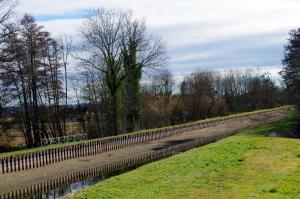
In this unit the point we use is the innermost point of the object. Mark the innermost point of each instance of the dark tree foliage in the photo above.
(140, 51)
(291, 71)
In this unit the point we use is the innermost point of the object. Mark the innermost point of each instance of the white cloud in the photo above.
(69, 27)
(193, 55)
(169, 12)
(190, 22)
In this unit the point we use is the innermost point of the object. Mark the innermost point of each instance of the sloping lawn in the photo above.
(248, 165)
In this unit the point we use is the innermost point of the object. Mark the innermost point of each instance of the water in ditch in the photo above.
(76, 186)
(72, 187)
(69, 189)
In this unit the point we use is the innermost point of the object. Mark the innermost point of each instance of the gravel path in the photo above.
(17, 180)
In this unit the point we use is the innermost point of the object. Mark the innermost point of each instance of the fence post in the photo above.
(29, 160)
(18, 161)
(2, 164)
(76, 151)
(58, 154)
(86, 149)
(10, 162)
(79, 150)
(47, 154)
(106, 145)
(52, 155)
(34, 159)
(63, 153)
(37, 159)
(93, 147)
(43, 158)
(100, 146)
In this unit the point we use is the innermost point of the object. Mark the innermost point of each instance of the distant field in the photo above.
(248, 165)
(14, 136)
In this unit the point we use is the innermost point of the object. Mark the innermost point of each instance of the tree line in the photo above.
(122, 84)
(164, 101)
(31, 76)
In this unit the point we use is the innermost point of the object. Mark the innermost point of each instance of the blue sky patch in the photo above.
(79, 14)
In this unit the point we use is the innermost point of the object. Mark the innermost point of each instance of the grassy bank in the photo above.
(23, 151)
(250, 164)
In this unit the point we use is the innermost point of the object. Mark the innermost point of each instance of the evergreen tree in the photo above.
(291, 71)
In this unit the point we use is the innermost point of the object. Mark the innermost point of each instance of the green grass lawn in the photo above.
(248, 165)
(23, 151)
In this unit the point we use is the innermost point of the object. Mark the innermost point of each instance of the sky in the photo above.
(200, 34)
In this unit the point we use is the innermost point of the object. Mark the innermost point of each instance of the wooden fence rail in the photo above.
(125, 163)
(49, 156)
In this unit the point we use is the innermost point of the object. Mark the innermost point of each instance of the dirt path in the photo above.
(17, 180)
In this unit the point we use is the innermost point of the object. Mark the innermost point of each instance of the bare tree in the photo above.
(119, 47)
(78, 98)
(198, 91)
(95, 92)
(65, 48)
(157, 97)
(33, 80)
(6, 28)
(102, 36)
